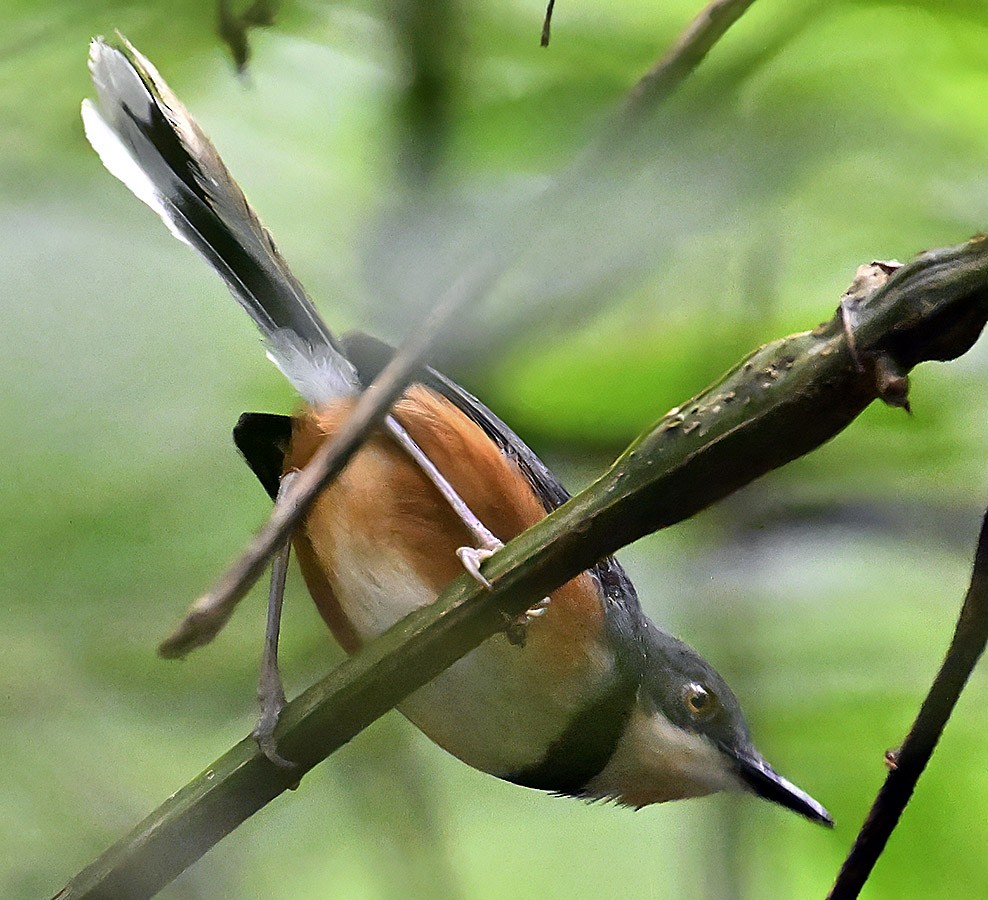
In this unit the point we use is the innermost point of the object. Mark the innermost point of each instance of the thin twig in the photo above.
(547, 24)
(210, 612)
(708, 27)
(908, 763)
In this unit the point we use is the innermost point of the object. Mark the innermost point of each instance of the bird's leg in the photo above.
(488, 542)
(270, 691)
(471, 557)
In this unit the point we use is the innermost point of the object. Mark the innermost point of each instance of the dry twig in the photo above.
(691, 48)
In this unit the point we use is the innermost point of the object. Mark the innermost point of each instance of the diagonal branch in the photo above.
(782, 401)
(908, 763)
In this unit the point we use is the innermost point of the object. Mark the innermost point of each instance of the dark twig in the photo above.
(547, 24)
(907, 764)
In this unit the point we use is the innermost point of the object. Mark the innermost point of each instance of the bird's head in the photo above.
(687, 737)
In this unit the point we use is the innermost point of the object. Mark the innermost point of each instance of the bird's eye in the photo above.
(699, 701)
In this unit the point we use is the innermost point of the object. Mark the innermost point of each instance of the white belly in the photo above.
(495, 708)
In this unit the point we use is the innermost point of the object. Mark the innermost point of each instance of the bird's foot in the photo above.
(271, 697)
(516, 629)
(472, 557)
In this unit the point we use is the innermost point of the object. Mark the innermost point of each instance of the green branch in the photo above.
(782, 401)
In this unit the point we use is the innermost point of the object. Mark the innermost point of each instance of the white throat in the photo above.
(656, 761)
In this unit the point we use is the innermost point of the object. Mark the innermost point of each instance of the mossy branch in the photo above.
(785, 399)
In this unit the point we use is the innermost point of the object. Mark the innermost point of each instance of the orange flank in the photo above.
(383, 506)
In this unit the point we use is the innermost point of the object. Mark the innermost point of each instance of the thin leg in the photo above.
(471, 557)
(477, 528)
(270, 691)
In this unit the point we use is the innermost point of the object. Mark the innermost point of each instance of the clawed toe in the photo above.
(516, 629)
(272, 699)
(472, 557)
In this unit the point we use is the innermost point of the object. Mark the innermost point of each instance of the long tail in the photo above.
(147, 139)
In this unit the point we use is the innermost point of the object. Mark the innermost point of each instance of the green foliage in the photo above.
(817, 137)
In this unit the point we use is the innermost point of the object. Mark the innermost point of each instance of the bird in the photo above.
(584, 696)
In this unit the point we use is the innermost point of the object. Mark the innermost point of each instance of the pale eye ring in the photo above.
(700, 701)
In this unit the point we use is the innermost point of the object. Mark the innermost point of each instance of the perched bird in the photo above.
(586, 697)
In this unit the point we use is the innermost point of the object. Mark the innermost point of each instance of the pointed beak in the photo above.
(764, 781)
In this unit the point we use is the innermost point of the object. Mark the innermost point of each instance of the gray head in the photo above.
(687, 737)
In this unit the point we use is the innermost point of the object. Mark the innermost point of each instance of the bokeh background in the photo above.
(386, 144)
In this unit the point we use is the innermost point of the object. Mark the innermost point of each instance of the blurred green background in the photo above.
(382, 150)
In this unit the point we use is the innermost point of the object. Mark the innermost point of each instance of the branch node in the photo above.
(891, 382)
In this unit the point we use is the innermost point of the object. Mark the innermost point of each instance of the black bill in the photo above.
(764, 781)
